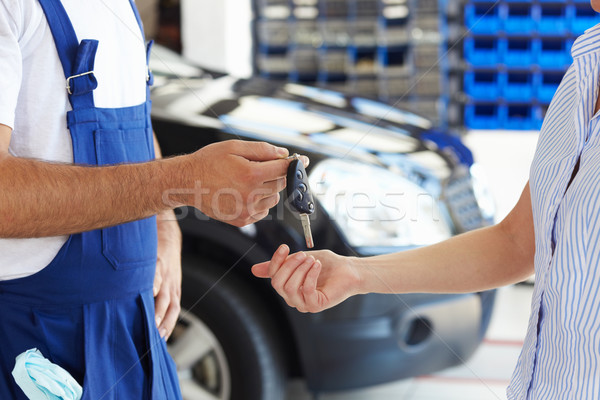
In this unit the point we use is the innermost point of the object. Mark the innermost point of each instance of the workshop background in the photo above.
(484, 70)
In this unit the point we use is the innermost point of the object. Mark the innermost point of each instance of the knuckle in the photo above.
(265, 147)
(289, 288)
(252, 174)
(276, 284)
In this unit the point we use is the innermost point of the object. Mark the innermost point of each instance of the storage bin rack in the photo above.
(515, 53)
(385, 49)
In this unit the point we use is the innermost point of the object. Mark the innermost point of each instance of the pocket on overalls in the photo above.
(133, 244)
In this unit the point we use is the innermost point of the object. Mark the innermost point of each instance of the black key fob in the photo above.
(298, 191)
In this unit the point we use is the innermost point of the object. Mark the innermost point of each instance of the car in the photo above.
(384, 180)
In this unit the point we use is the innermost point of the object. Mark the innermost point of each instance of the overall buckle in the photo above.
(76, 76)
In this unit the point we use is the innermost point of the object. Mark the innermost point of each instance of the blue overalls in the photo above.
(91, 310)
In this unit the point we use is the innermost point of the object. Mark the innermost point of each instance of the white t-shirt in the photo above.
(33, 96)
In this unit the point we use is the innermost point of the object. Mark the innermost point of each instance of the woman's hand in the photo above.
(311, 281)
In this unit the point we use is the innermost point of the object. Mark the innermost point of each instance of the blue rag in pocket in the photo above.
(42, 380)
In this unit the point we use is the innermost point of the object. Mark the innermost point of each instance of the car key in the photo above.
(299, 196)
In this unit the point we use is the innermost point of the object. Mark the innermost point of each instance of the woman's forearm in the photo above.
(470, 262)
(482, 259)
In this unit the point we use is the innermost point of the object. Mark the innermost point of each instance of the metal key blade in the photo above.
(305, 218)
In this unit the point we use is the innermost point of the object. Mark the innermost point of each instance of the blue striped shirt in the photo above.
(560, 358)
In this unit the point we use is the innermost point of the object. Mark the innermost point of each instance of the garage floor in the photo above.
(505, 158)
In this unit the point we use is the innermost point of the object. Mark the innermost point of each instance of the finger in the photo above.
(258, 151)
(309, 289)
(267, 171)
(292, 287)
(305, 161)
(157, 282)
(161, 304)
(264, 205)
(257, 217)
(284, 273)
(261, 270)
(275, 186)
(278, 258)
(170, 320)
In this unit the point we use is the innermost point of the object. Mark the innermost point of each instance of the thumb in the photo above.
(259, 151)
(261, 270)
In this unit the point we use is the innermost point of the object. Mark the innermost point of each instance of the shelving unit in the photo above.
(384, 49)
(473, 63)
(515, 54)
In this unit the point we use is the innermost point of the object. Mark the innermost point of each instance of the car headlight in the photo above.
(482, 193)
(375, 207)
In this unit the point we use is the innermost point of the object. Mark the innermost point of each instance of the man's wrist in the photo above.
(180, 180)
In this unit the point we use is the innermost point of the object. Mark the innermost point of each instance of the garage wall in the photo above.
(218, 35)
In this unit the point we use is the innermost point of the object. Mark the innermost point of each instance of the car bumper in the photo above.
(418, 335)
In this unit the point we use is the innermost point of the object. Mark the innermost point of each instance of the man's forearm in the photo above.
(45, 199)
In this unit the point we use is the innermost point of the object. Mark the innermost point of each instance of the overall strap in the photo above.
(77, 58)
(149, 76)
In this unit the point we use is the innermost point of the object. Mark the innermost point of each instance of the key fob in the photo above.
(298, 191)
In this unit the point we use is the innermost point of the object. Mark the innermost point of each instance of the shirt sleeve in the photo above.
(10, 61)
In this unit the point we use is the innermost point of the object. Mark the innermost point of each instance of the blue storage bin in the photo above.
(519, 117)
(483, 17)
(517, 52)
(482, 85)
(554, 53)
(393, 59)
(517, 86)
(582, 17)
(546, 84)
(552, 19)
(483, 116)
(482, 51)
(518, 18)
(361, 60)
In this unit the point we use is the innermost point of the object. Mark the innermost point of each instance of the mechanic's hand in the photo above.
(310, 281)
(238, 181)
(167, 279)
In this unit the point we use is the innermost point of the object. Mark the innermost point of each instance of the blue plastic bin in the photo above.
(552, 19)
(518, 18)
(483, 116)
(517, 86)
(517, 52)
(582, 17)
(519, 117)
(554, 53)
(546, 84)
(483, 51)
(482, 85)
(361, 60)
(393, 59)
(483, 17)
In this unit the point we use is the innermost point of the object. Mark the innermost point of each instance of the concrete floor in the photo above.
(505, 157)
